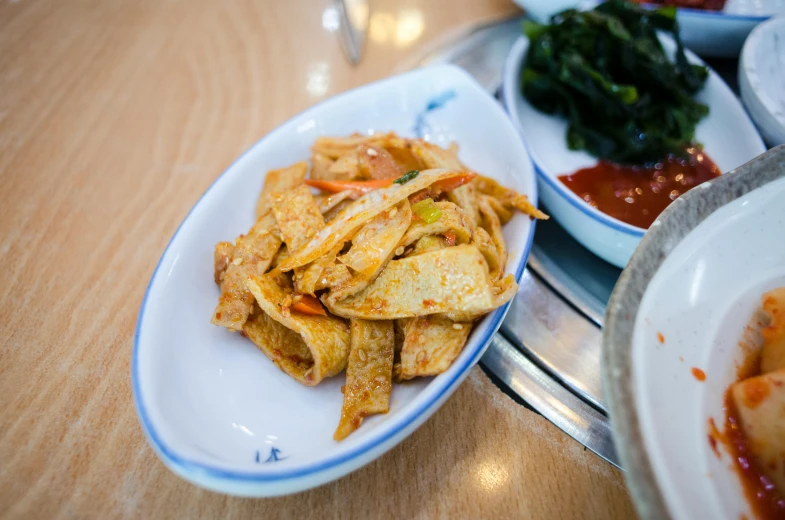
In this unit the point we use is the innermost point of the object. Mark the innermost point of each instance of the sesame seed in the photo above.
(399, 251)
(457, 326)
(393, 212)
(237, 261)
(361, 355)
(372, 152)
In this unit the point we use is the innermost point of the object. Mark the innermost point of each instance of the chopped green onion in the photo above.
(427, 210)
(406, 177)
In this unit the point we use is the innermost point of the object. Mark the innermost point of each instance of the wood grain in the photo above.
(114, 117)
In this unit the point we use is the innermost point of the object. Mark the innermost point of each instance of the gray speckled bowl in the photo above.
(683, 302)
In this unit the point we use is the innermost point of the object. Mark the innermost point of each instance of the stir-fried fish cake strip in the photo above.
(347, 167)
(504, 213)
(372, 247)
(315, 274)
(328, 202)
(454, 279)
(320, 167)
(282, 345)
(377, 163)
(503, 291)
(362, 210)
(335, 147)
(252, 255)
(436, 157)
(452, 220)
(508, 197)
(221, 257)
(431, 344)
(326, 337)
(280, 180)
(297, 215)
(376, 241)
(368, 374)
(299, 219)
(483, 241)
(466, 198)
(426, 244)
(492, 224)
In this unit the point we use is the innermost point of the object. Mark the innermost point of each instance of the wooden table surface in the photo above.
(114, 117)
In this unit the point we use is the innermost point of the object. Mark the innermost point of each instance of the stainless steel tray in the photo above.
(547, 351)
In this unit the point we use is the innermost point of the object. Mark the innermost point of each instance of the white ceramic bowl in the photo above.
(762, 79)
(684, 302)
(214, 408)
(728, 135)
(708, 33)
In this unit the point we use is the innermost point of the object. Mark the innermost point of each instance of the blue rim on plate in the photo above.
(609, 221)
(270, 476)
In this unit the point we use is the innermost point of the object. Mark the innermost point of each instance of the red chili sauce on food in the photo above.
(766, 502)
(638, 194)
(764, 499)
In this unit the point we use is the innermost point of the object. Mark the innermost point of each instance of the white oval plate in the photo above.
(696, 280)
(214, 408)
(762, 78)
(708, 33)
(728, 136)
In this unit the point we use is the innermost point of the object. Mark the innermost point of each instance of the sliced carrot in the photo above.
(454, 182)
(358, 187)
(450, 237)
(309, 306)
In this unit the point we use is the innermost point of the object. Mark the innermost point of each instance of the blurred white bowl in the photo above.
(685, 301)
(762, 79)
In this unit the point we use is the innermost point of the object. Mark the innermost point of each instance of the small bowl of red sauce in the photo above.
(637, 194)
(609, 207)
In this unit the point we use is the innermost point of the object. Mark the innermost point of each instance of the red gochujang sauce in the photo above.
(638, 194)
(766, 502)
(764, 499)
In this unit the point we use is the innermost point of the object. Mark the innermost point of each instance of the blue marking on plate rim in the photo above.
(188, 466)
(437, 101)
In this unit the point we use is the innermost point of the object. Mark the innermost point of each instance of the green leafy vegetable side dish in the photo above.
(607, 73)
(406, 177)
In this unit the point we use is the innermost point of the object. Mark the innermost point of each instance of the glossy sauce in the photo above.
(698, 374)
(765, 501)
(638, 194)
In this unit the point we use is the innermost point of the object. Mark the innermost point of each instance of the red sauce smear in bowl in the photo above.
(764, 499)
(638, 194)
(766, 502)
(698, 374)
